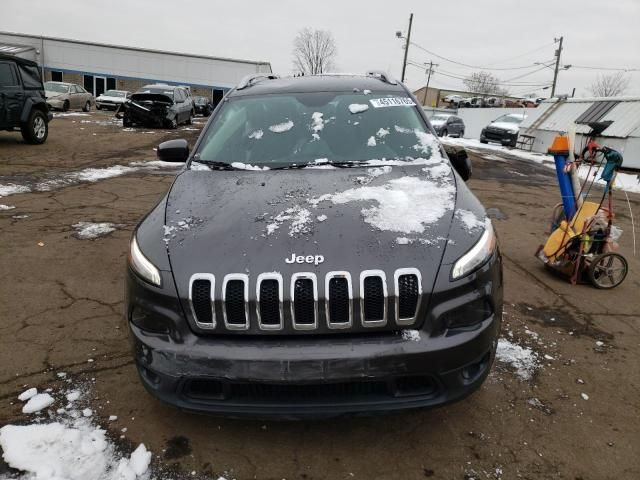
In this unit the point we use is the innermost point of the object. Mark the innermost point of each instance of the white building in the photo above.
(100, 67)
(555, 116)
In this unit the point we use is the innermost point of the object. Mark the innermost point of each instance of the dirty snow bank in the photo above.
(12, 189)
(523, 360)
(90, 230)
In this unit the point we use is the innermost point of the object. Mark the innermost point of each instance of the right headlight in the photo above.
(479, 253)
(142, 265)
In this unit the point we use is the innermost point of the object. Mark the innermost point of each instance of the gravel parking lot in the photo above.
(568, 410)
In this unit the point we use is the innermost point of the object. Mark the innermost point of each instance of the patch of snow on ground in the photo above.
(376, 172)
(70, 114)
(27, 394)
(282, 127)
(38, 402)
(523, 360)
(411, 335)
(6, 207)
(256, 134)
(405, 205)
(358, 107)
(12, 189)
(90, 230)
(321, 218)
(96, 174)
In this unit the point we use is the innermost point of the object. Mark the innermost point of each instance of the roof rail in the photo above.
(254, 78)
(384, 76)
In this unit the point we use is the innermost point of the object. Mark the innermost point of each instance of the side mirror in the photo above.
(459, 159)
(173, 150)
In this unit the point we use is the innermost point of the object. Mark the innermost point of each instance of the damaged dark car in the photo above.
(163, 106)
(319, 255)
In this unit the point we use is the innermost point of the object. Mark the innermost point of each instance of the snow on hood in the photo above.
(510, 126)
(403, 205)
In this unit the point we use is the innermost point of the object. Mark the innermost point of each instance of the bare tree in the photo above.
(612, 85)
(314, 51)
(485, 83)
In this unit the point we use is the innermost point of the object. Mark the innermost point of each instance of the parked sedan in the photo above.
(65, 96)
(447, 125)
(157, 105)
(112, 99)
(503, 129)
(202, 106)
(455, 99)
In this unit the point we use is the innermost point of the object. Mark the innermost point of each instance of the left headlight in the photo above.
(142, 265)
(479, 253)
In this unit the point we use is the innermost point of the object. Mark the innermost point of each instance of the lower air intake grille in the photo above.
(339, 300)
(270, 302)
(373, 299)
(201, 300)
(235, 302)
(407, 296)
(303, 301)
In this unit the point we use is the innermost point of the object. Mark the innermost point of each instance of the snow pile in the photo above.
(523, 360)
(256, 134)
(6, 207)
(27, 394)
(299, 217)
(358, 107)
(246, 166)
(411, 335)
(469, 220)
(282, 127)
(90, 230)
(405, 205)
(317, 122)
(38, 402)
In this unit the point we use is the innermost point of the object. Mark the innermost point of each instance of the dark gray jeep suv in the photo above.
(318, 255)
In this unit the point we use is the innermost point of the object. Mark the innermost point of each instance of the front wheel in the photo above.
(87, 107)
(608, 270)
(190, 120)
(65, 106)
(483, 141)
(36, 130)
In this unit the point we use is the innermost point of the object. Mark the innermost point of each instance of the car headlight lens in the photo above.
(141, 264)
(479, 253)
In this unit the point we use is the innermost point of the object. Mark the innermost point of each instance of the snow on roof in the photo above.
(625, 116)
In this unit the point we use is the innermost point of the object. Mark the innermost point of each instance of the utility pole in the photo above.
(555, 72)
(426, 89)
(406, 48)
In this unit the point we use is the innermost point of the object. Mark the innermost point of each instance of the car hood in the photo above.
(385, 218)
(110, 99)
(511, 127)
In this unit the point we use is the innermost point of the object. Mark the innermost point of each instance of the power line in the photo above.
(457, 77)
(525, 54)
(470, 66)
(606, 68)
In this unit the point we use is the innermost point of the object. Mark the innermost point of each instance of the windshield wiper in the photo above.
(333, 163)
(216, 165)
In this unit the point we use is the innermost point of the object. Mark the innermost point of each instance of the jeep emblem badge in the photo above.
(314, 259)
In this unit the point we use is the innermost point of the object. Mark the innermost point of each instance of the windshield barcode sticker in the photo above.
(391, 102)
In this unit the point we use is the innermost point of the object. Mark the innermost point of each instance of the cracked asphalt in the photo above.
(61, 302)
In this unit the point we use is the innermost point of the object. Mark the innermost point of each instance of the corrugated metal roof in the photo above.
(625, 116)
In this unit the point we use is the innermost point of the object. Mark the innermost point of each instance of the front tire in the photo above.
(36, 130)
(445, 133)
(87, 107)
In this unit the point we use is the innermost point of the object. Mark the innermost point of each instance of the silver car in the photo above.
(65, 96)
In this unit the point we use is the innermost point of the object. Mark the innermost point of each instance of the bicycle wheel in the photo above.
(608, 270)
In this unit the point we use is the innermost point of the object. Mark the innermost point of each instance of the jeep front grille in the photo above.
(368, 304)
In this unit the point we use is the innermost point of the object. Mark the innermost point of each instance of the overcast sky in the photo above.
(602, 33)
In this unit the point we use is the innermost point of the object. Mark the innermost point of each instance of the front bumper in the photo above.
(55, 103)
(314, 375)
(504, 137)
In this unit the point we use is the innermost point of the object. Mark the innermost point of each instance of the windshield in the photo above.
(114, 93)
(439, 118)
(302, 128)
(156, 91)
(56, 87)
(509, 119)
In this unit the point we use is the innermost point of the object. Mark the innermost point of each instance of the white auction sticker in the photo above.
(391, 102)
